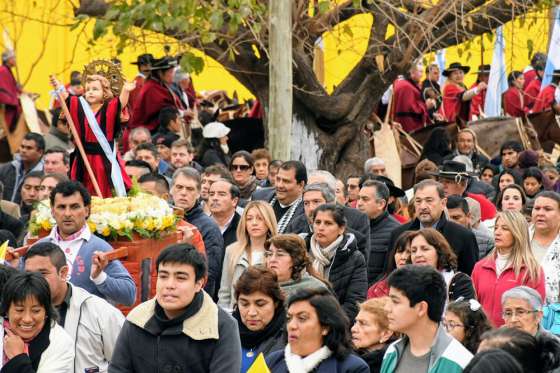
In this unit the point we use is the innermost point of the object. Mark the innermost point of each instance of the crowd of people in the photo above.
(310, 272)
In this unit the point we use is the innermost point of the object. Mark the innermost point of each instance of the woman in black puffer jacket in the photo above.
(335, 256)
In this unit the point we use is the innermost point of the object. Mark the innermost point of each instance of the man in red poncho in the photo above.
(533, 89)
(410, 109)
(144, 63)
(9, 90)
(513, 99)
(155, 95)
(477, 102)
(546, 99)
(530, 72)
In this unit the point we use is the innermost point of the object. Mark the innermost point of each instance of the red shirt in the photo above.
(477, 103)
(489, 287)
(452, 102)
(409, 108)
(514, 103)
(545, 99)
(532, 92)
(378, 289)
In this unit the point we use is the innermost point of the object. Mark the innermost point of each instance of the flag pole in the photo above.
(79, 143)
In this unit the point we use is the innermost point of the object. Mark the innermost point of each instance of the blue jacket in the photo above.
(118, 288)
(213, 242)
(351, 364)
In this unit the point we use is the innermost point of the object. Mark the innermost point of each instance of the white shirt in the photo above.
(70, 247)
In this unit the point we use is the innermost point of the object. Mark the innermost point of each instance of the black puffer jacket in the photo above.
(347, 274)
(380, 230)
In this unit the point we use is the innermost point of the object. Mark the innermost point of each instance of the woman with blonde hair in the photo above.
(509, 265)
(257, 224)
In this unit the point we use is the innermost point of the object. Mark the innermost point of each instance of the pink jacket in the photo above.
(489, 288)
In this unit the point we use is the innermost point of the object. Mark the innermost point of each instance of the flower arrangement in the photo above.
(113, 218)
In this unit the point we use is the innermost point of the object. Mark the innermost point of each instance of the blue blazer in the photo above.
(351, 364)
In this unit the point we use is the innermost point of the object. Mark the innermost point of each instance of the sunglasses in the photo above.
(240, 167)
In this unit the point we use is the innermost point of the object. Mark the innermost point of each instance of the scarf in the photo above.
(322, 256)
(248, 189)
(161, 322)
(253, 339)
(35, 347)
(297, 364)
(288, 215)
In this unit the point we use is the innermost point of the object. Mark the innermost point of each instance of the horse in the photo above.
(547, 126)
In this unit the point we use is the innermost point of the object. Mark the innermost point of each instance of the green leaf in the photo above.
(100, 28)
(324, 6)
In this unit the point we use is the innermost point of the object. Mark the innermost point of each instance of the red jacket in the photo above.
(487, 208)
(545, 99)
(529, 76)
(379, 289)
(532, 92)
(452, 103)
(409, 108)
(477, 102)
(514, 102)
(489, 287)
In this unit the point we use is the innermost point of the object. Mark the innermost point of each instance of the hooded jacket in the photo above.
(447, 355)
(207, 341)
(347, 273)
(12, 175)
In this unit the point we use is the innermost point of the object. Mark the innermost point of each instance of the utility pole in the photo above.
(280, 79)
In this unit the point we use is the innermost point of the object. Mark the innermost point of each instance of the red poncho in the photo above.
(409, 108)
(477, 103)
(529, 76)
(452, 107)
(513, 102)
(545, 99)
(9, 96)
(108, 118)
(532, 92)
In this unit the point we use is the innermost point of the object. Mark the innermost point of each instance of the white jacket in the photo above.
(59, 355)
(95, 325)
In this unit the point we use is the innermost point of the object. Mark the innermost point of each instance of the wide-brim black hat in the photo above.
(144, 59)
(555, 72)
(484, 69)
(455, 66)
(394, 191)
(452, 170)
(164, 63)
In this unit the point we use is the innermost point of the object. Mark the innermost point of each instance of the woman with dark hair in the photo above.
(335, 256)
(399, 257)
(318, 337)
(495, 361)
(260, 314)
(214, 148)
(286, 255)
(466, 322)
(437, 147)
(371, 334)
(242, 168)
(514, 98)
(505, 178)
(429, 247)
(511, 198)
(32, 339)
(533, 183)
(487, 173)
(540, 354)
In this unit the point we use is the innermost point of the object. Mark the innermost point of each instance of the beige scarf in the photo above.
(322, 256)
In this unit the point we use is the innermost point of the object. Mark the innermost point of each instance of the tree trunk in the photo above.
(341, 152)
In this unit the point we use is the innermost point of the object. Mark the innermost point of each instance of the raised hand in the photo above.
(129, 86)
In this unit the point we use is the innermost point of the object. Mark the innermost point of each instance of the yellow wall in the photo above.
(45, 46)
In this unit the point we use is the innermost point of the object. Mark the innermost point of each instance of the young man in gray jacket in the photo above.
(181, 329)
(92, 322)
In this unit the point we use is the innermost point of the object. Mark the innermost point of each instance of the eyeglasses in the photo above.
(450, 325)
(519, 313)
(240, 167)
(279, 254)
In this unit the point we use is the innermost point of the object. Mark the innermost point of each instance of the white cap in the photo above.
(215, 130)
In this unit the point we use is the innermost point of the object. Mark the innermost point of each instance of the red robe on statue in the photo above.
(545, 100)
(108, 118)
(532, 92)
(452, 106)
(9, 96)
(409, 107)
(513, 102)
(477, 103)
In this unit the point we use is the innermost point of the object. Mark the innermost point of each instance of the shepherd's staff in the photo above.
(77, 139)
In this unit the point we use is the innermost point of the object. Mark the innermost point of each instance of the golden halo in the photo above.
(108, 70)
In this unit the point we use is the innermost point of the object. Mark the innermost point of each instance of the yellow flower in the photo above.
(106, 231)
(92, 226)
(46, 225)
